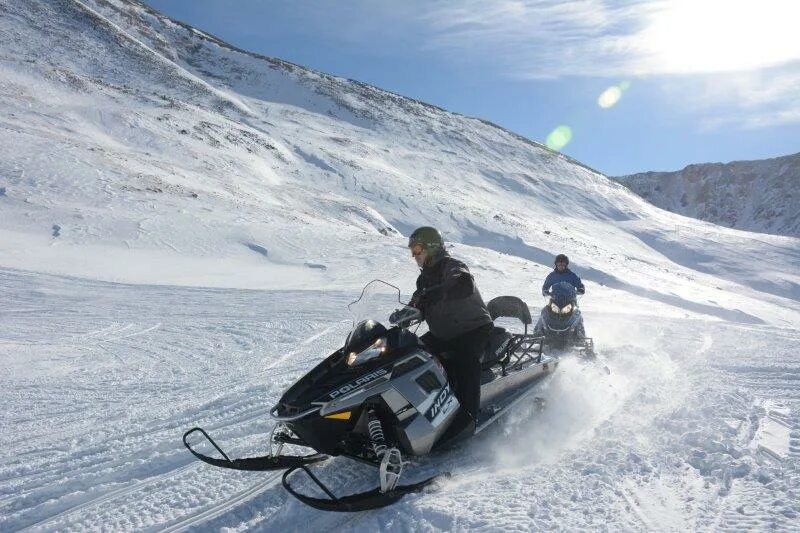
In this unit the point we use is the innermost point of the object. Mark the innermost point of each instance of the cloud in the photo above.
(739, 58)
(750, 100)
(537, 39)
(550, 38)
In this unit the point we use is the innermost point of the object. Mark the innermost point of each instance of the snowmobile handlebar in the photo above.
(405, 317)
(579, 292)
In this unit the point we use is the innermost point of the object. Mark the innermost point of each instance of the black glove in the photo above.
(545, 292)
(406, 313)
(394, 318)
(581, 290)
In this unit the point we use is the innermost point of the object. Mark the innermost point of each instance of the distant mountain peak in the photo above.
(761, 196)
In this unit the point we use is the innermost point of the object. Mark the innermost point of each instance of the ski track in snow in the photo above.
(63, 470)
(664, 439)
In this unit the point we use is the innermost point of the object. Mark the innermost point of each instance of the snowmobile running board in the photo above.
(511, 400)
(363, 501)
(254, 464)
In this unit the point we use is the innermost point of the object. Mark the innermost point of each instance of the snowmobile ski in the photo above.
(255, 464)
(363, 501)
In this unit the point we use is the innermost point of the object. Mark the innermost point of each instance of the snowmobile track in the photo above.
(109, 496)
(216, 510)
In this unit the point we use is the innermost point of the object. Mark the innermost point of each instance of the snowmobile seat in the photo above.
(511, 307)
(497, 349)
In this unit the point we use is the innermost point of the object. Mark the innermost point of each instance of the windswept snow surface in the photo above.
(182, 225)
(696, 426)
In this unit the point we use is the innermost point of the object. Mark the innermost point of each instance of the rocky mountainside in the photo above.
(761, 196)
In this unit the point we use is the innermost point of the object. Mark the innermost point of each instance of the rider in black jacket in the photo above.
(457, 317)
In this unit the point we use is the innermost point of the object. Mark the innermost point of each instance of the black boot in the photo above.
(462, 428)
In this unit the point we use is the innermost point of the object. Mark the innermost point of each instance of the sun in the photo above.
(693, 36)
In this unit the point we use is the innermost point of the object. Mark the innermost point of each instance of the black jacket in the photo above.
(448, 298)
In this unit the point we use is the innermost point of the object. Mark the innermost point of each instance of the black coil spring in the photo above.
(375, 431)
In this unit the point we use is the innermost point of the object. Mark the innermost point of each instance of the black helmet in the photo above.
(561, 257)
(428, 237)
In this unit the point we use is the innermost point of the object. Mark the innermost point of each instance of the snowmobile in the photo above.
(383, 397)
(561, 322)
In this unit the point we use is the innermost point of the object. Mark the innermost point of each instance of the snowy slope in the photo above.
(182, 224)
(761, 196)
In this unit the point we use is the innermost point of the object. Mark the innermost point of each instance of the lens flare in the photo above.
(559, 138)
(610, 97)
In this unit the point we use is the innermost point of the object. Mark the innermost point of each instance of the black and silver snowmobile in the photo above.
(383, 397)
(561, 322)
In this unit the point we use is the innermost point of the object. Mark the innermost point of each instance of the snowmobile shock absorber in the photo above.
(375, 431)
(391, 460)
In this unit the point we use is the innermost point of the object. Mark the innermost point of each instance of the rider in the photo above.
(559, 275)
(457, 317)
(562, 273)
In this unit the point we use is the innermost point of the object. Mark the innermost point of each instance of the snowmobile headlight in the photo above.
(567, 309)
(554, 308)
(377, 348)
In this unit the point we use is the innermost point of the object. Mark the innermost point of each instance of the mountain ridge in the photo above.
(753, 195)
(360, 84)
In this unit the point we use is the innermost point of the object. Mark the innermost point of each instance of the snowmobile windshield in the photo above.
(376, 302)
(367, 338)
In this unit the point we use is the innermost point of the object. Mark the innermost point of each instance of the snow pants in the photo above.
(461, 358)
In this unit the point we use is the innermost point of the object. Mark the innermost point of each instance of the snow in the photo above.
(217, 210)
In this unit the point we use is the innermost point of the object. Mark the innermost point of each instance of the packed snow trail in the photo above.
(95, 413)
(697, 425)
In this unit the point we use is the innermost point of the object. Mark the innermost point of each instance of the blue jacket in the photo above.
(568, 275)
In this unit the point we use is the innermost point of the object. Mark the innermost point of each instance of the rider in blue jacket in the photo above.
(562, 273)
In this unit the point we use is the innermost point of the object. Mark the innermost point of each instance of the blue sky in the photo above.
(621, 86)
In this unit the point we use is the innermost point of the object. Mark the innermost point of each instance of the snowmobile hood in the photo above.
(333, 376)
(565, 322)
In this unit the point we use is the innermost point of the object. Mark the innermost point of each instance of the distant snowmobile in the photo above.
(561, 322)
(383, 397)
